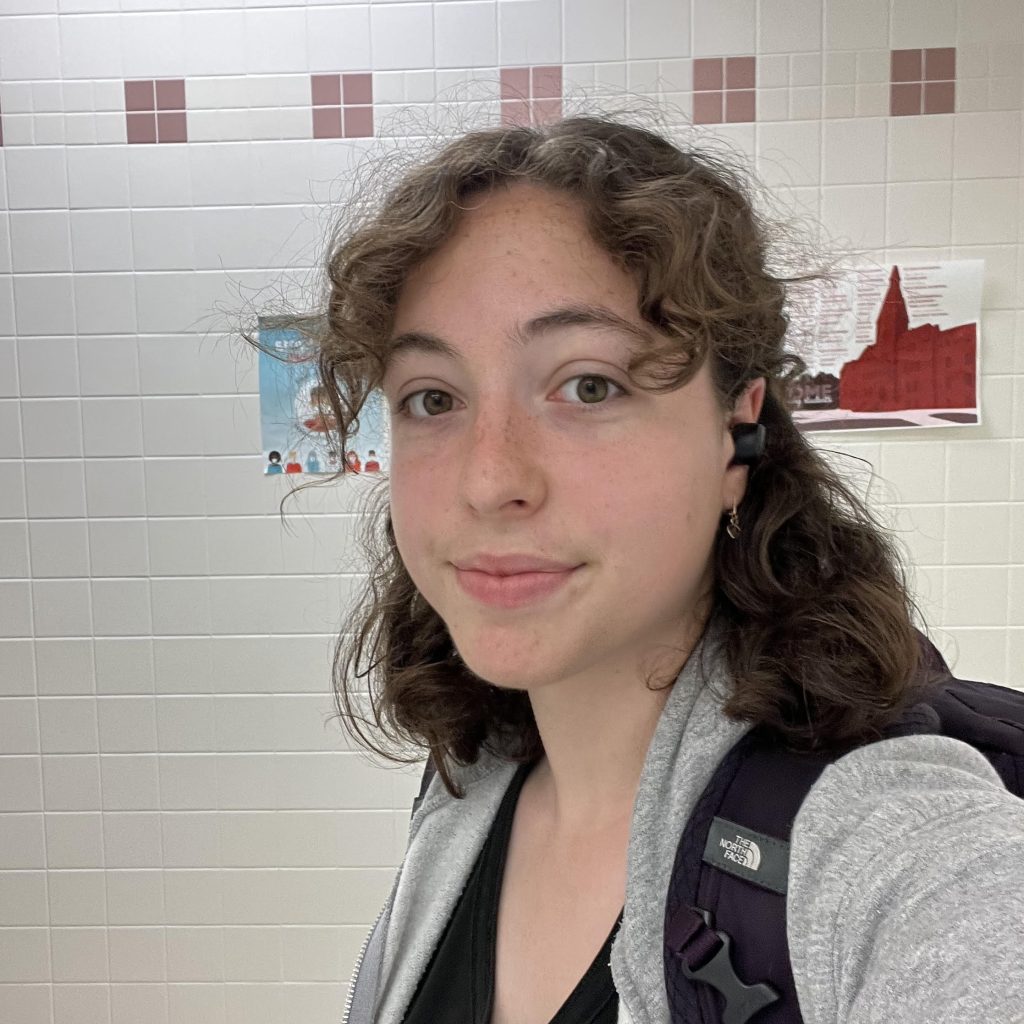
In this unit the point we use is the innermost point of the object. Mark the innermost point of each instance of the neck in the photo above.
(596, 732)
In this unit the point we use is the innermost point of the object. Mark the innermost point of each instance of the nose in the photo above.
(502, 460)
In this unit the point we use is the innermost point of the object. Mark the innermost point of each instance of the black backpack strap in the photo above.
(727, 957)
(726, 950)
(989, 718)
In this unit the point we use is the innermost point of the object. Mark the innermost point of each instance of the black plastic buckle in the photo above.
(741, 1001)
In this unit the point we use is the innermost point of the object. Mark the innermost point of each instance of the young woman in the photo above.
(579, 599)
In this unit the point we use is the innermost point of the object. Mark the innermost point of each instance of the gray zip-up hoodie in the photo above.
(906, 883)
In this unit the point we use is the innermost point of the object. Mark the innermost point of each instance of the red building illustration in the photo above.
(911, 368)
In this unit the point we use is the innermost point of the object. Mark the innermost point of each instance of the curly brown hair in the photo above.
(812, 599)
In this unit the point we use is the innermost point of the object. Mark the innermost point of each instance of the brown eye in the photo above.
(433, 403)
(592, 389)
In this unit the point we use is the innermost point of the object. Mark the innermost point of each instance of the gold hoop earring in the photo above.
(733, 526)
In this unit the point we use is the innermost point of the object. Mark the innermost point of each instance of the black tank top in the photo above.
(458, 985)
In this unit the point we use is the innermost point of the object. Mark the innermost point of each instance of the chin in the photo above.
(507, 672)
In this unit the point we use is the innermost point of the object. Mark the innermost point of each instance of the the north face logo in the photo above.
(754, 856)
(742, 851)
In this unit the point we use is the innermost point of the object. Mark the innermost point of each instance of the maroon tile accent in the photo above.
(358, 122)
(939, 97)
(531, 95)
(724, 89)
(170, 94)
(923, 81)
(515, 83)
(740, 105)
(940, 64)
(515, 112)
(357, 89)
(325, 90)
(141, 127)
(905, 98)
(138, 95)
(171, 127)
(739, 73)
(905, 66)
(327, 122)
(547, 110)
(707, 108)
(546, 82)
(707, 74)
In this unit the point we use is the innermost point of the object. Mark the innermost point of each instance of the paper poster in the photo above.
(890, 346)
(296, 420)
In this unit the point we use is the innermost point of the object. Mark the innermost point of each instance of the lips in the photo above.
(514, 590)
(512, 565)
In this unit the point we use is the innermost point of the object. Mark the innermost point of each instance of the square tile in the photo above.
(806, 69)
(515, 83)
(139, 95)
(171, 126)
(170, 94)
(873, 66)
(593, 30)
(724, 27)
(357, 88)
(905, 99)
(707, 108)
(840, 101)
(402, 36)
(707, 74)
(141, 127)
(856, 26)
(925, 22)
(515, 112)
(906, 66)
(530, 33)
(774, 104)
(546, 82)
(841, 69)
(773, 72)
(805, 104)
(325, 90)
(358, 122)
(740, 105)
(327, 122)
(872, 100)
(740, 73)
(939, 97)
(940, 64)
(547, 111)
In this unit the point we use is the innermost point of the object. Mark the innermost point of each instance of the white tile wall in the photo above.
(188, 835)
(723, 28)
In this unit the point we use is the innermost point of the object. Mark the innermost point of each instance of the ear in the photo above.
(746, 410)
(748, 406)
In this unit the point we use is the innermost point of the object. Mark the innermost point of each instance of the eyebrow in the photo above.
(576, 315)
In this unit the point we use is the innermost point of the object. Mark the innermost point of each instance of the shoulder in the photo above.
(897, 786)
(907, 884)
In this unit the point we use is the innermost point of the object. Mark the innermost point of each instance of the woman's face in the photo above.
(522, 435)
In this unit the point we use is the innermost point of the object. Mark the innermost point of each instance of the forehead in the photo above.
(515, 249)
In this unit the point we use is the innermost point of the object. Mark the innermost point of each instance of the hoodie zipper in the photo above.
(359, 963)
(414, 826)
(369, 935)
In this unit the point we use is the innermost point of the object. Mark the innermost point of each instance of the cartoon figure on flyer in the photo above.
(274, 464)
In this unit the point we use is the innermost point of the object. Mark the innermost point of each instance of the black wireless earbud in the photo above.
(750, 440)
